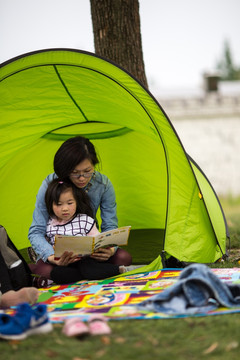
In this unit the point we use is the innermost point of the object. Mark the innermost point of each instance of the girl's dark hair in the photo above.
(71, 153)
(56, 187)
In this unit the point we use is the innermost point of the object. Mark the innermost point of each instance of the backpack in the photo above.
(15, 273)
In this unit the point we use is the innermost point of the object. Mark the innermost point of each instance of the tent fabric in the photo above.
(50, 95)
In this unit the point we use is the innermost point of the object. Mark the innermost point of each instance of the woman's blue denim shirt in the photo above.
(101, 194)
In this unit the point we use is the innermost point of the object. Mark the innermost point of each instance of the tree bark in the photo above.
(117, 34)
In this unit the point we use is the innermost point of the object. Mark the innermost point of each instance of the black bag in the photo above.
(14, 271)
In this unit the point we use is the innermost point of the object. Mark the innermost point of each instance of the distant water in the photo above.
(215, 145)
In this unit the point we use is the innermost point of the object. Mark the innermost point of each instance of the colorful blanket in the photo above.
(116, 298)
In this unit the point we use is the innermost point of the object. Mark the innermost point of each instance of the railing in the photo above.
(209, 105)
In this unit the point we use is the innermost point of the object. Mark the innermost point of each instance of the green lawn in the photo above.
(213, 337)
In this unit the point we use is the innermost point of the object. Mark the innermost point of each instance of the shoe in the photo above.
(98, 325)
(41, 282)
(75, 327)
(3, 318)
(32, 255)
(132, 267)
(26, 321)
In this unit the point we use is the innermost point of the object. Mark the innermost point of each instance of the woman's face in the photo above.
(82, 173)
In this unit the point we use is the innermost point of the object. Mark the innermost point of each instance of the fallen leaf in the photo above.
(210, 349)
(78, 358)
(190, 322)
(14, 344)
(138, 344)
(52, 354)
(120, 340)
(59, 341)
(201, 338)
(233, 345)
(58, 325)
(153, 341)
(105, 340)
(100, 353)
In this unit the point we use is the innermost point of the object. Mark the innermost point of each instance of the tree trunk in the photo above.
(117, 35)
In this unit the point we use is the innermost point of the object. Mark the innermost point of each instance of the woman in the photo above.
(75, 160)
(70, 214)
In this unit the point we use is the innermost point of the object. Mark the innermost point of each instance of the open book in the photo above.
(86, 245)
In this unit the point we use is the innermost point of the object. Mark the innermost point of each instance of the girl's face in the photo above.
(66, 207)
(82, 173)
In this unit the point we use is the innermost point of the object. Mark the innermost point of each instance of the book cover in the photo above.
(86, 245)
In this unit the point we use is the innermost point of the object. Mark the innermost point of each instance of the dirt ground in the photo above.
(234, 255)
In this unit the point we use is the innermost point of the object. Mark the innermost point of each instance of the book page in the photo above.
(115, 237)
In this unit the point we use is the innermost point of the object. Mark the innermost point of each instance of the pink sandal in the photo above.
(98, 325)
(75, 327)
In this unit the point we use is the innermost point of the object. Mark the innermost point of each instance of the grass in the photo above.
(190, 338)
(231, 208)
(213, 337)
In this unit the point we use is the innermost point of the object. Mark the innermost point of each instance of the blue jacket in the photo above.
(198, 290)
(101, 194)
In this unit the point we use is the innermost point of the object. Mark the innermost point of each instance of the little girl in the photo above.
(70, 214)
(69, 210)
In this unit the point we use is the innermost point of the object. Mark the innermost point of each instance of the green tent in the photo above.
(50, 95)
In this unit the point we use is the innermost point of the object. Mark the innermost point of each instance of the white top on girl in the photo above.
(80, 225)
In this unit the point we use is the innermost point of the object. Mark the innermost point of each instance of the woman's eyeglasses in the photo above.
(86, 175)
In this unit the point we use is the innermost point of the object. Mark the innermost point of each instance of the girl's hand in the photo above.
(66, 258)
(103, 254)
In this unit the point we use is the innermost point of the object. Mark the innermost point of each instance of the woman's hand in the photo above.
(103, 254)
(66, 258)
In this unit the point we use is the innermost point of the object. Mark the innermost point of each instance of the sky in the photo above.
(181, 39)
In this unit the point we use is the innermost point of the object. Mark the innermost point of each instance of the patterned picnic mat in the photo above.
(116, 298)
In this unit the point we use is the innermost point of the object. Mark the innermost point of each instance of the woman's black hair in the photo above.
(56, 187)
(71, 153)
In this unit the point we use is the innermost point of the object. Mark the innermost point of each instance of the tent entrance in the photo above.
(145, 245)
